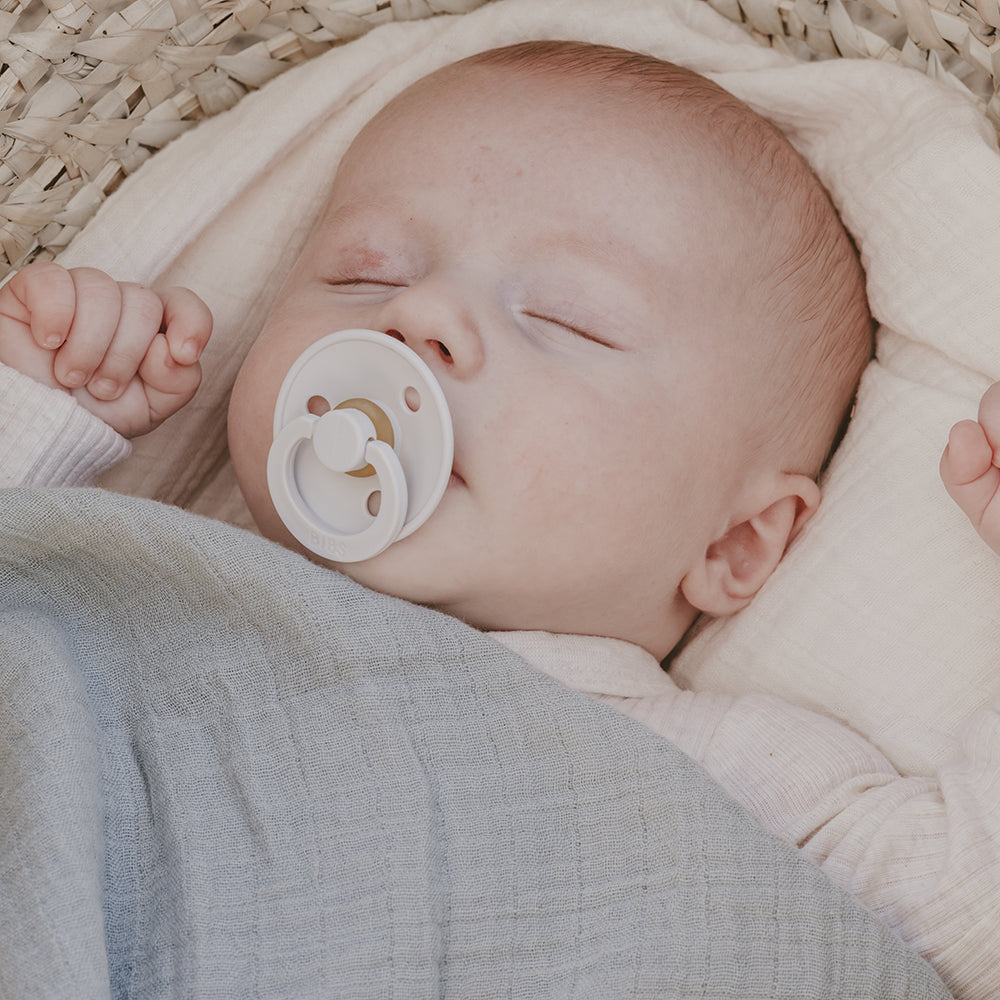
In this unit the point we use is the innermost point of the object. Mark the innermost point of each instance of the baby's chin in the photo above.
(400, 571)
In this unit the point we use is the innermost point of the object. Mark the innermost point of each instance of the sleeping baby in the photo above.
(649, 324)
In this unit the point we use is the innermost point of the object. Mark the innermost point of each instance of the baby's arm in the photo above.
(969, 467)
(127, 354)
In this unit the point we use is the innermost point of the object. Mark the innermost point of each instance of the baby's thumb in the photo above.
(168, 385)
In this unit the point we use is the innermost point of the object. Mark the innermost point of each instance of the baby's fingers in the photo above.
(968, 456)
(972, 480)
(187, 322)
(44, 299)
(989, 417)
(140, 321)
(167, 384)
(95, 321)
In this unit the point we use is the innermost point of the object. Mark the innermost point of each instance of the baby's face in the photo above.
(535, 250)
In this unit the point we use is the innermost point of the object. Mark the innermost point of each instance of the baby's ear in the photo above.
(736, 566)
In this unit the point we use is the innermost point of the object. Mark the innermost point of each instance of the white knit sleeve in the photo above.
(48, 439)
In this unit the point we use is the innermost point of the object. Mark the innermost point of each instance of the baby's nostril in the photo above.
(396, 335)
(445, 353)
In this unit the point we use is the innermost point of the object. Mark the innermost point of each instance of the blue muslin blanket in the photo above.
(226, 772)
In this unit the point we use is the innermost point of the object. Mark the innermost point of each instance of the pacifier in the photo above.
(363, 445)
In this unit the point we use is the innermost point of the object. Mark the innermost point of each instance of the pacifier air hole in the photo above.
(411, 396)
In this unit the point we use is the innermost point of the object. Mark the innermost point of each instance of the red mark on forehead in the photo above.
(363, 257)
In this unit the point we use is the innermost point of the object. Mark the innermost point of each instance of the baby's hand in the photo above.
(969, 467)
(127, 354)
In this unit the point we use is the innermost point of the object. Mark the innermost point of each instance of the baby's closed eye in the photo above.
(363, 283)
(362, 266)
(571, 326)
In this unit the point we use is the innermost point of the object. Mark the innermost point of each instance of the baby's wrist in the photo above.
(33, 363)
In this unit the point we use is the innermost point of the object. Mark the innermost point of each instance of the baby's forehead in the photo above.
(534, 105)
(494, 87)
(656, 132)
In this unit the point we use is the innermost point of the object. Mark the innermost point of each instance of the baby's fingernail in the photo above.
(189, 352)
(75, 378)
(53, 341)
(104, 387)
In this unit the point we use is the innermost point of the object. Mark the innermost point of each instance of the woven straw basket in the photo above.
(91, 88)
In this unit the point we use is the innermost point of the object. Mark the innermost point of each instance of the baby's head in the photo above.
(642, 309)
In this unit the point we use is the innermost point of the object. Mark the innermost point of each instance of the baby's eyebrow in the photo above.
(604, 251)
(363, 210)
(368, 234)
(362, 256)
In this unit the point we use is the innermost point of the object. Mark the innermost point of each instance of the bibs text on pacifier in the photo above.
(362, 448)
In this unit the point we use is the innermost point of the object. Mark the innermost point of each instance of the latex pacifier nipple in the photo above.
(362, 447)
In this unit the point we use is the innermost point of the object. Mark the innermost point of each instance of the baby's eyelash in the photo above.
(576, 330)
(354, 282)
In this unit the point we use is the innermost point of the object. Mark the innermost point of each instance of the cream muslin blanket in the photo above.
(885, 612)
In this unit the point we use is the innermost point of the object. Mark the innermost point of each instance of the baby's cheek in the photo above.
(249, 431)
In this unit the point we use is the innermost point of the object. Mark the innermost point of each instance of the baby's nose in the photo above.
(438, 320)
(436, 349)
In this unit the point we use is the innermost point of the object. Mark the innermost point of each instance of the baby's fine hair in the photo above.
(807, 318)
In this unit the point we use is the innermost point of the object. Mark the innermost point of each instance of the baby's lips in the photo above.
(456, 471)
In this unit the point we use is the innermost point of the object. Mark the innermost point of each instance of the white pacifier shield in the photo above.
(344, 487)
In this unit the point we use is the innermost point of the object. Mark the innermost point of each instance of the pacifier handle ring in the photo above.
(299, 519)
